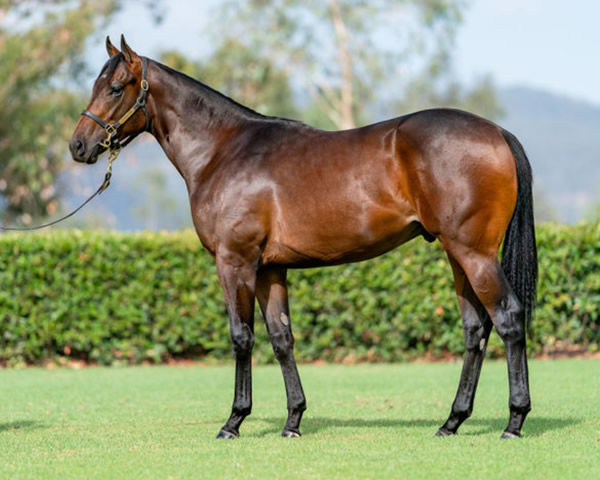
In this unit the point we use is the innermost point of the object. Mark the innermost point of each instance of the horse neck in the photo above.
(190, 120)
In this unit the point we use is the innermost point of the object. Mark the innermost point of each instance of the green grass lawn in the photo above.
(364, 421)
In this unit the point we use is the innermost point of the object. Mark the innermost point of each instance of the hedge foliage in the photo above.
(112, 297)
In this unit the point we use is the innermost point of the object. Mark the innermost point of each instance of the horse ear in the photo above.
(110, 48)
(129, 54)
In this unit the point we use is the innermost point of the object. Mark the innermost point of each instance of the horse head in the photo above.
(116, 113)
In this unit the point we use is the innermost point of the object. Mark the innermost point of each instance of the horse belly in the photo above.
(345, 201)
(346, 237)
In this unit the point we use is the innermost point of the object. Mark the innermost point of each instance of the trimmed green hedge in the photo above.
(110, 298)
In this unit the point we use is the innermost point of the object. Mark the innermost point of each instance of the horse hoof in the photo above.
(507, 434)
(227, 435)
(290, 434)
(442, 432)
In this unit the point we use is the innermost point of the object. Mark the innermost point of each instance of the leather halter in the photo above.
(111, 141)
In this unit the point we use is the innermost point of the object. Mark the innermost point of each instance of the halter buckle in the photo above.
(110, 131)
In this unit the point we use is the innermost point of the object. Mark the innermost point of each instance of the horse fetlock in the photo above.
(239, 411)
(522, 409)
(298, 408)
(461, 414)
(458, 415)
(516, 420)
(294, 418)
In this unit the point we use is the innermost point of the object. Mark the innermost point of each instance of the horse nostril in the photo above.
(77, 147)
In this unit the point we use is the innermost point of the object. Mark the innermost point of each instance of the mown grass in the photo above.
(363, 421)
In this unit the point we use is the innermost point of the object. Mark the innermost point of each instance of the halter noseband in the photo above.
(111, 142)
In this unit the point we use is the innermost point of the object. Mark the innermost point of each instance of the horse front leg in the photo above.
(271, 292)
(237, 280)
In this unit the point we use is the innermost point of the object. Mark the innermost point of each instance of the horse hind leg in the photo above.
(476, 330)
(491, 287)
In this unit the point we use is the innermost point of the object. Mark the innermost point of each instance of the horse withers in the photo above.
(268, 194)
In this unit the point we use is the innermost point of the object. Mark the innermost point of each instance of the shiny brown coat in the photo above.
(268, 194)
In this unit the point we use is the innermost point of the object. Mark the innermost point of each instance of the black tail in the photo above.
(519, 254)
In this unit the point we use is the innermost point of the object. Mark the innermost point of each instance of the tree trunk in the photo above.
(346, 101)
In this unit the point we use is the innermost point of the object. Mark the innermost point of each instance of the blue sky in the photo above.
(550, 44)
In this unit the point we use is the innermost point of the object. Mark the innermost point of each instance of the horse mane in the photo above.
(204, 94)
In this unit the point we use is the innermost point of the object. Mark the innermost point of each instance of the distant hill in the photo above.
(560, 135)
(562, 139)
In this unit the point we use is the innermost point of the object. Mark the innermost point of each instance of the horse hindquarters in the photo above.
(506, 293)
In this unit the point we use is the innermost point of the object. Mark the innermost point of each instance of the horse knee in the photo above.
(242, 340)
(283, 344)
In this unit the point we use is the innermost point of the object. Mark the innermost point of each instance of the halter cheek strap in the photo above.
(111, 141)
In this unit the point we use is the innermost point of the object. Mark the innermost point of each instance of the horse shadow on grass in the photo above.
(534, 426)
(20, 425)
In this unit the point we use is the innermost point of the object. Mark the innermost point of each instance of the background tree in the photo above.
(238, 72)
(41, 43)
(344, 50)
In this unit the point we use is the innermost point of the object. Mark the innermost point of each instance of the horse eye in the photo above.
(116, 90)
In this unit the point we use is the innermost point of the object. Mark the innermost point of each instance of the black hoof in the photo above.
(507, 434)
(290, 434)
(442, 432)
(227, 435)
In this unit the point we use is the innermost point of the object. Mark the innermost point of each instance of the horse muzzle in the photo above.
(80, 153)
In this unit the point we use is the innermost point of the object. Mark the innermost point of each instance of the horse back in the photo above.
(310, 197)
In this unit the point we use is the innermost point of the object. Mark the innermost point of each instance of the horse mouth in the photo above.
(95, 153)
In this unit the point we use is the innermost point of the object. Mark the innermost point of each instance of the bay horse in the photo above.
(268, 194)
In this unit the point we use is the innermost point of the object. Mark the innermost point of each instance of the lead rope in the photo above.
(114, 153)
(112, 143)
